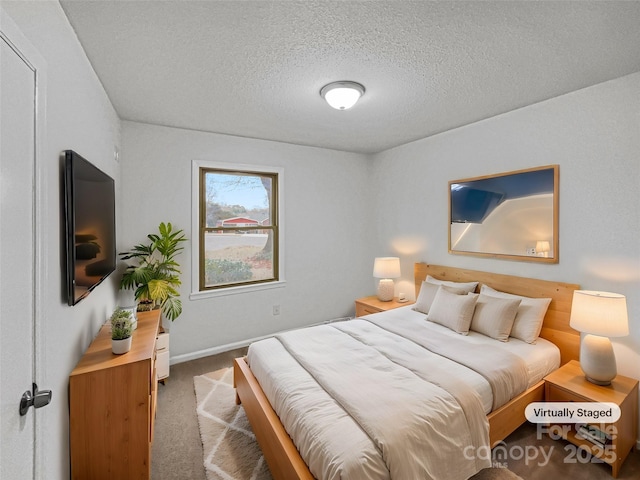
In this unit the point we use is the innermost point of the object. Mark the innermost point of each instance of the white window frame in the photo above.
(196, 293)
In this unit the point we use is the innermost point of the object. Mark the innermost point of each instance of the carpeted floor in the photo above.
(177, 452)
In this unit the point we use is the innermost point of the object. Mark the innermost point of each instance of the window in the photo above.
(238, 224)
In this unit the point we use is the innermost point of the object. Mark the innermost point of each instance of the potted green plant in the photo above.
(121, 331)
(156, 275)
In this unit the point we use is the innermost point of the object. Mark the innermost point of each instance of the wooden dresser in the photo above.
(112, 404)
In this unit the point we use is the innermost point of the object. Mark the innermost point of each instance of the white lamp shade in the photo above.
(342, 95)
(542, 246)
(386, 267)
(599, 313)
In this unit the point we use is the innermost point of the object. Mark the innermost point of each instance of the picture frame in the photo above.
(511, 215)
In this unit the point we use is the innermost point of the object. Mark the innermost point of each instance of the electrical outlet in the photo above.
(531, 251)
(276, 309)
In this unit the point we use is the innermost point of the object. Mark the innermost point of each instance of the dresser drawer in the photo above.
(162, 343)
(558, 394)
(365, 310)
(162, 364)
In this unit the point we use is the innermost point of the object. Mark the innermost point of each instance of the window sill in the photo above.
(223, 292)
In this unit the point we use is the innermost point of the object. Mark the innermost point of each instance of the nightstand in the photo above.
(367, 305)
(568, 384)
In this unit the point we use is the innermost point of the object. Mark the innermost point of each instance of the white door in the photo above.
(18, 272)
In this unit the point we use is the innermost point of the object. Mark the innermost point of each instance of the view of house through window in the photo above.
(238, 228)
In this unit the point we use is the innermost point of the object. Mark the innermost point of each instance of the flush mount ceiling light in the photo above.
(342, 95)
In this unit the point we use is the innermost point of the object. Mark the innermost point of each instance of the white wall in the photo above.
(593, 134)
(328, 243)
(79, 117)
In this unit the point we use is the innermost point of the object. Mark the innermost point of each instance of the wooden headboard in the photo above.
(555, 328)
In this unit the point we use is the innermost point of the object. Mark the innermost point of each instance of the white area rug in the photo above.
(229, 445)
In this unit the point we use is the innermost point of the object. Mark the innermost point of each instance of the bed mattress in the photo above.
(338, 443)
(541, 357)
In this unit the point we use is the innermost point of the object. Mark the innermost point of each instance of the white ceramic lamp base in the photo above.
(597, 360)
(385, 290)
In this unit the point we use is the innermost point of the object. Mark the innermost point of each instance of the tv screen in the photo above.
(90, 226)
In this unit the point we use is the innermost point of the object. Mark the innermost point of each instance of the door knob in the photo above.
(34, 398)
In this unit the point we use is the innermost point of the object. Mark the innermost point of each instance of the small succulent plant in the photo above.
(121, 324)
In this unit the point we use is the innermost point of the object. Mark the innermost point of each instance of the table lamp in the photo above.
(543, 248)
(600, 315)
(386, 269)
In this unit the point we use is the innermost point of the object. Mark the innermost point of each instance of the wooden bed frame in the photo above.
(281, 454)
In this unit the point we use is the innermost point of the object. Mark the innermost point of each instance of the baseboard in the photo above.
(185, 357)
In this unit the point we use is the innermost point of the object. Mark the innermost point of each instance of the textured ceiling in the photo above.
(255, 68)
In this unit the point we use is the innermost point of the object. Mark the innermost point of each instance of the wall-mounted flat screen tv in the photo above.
(90, 226)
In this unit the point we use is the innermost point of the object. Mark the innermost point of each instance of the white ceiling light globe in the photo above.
(342, 95)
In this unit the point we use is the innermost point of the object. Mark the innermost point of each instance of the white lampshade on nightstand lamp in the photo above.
(386, 269)
(600, 315)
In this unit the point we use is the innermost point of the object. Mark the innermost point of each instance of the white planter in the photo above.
(134, 318)
(121, 346)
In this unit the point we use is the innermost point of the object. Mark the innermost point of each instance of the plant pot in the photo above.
(145, 306)
(121, 346)
(134, 319)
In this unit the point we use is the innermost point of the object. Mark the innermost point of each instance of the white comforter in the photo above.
(365, 400)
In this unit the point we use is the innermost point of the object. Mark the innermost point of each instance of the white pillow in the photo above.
(453, 311)
(494, 316)
(529, 317)
(428, 293)
(468, 287)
